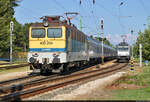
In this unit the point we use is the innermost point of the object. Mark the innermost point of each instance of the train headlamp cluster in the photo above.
(35, 55)
(55, 54)
(45, 23)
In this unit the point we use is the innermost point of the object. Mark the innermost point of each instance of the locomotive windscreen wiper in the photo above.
(54, 35)
(41, 35)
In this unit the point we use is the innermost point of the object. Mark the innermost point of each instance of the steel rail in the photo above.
(48, 79)
(14, 66)
(41, 89)
(15, 80)
(4, 63)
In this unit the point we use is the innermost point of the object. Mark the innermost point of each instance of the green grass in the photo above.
(6, 71)
(3, 61)
(1, 70)
(136, 59)
(126, 94)
(138, 79)
(19, 61)
(141, 79)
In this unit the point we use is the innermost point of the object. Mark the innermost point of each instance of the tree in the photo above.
(6, 15)
(21, 37)
(105, 41)
(144, 39)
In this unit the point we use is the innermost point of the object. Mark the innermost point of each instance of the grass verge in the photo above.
(137, 94)
(21, 69)
(139, 79)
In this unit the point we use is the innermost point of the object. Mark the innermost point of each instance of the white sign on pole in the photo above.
(11, 26)
(140, 48)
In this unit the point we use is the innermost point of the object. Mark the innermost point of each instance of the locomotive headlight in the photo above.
(55, 54)
(45, 23)
(32, 60)
(35, 55)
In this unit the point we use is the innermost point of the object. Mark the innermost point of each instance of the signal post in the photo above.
(102, 28)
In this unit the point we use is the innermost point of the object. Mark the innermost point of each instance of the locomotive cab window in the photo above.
(38, 33)
(123, 49)
(54, 33)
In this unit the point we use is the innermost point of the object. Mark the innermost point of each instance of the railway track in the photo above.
(14, 66)
(47, 84)
(16, 81)
(4, 63)
(10, 82)
(2, 83)
(13, 82)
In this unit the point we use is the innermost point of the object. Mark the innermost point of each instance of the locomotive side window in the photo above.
(38, 33)
(54, 32)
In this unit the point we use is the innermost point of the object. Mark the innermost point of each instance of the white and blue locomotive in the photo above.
(123, 51)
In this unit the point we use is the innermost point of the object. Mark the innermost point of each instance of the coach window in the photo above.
(38, 33)
(54, 33)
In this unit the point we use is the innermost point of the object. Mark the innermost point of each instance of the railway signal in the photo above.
(132, 31)
(93, 1)
(102, 28)
(81, 2)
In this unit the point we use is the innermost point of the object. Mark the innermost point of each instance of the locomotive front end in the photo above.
(47, 46)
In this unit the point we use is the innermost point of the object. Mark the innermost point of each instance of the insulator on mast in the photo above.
(121, 3)
(80, 2)
(93, 1)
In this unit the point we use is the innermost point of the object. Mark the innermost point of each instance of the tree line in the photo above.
(144, 39)
(20, 32)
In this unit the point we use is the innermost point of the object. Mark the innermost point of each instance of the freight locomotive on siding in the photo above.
(55, 45)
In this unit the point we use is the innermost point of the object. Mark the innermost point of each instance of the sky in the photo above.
(118, 19)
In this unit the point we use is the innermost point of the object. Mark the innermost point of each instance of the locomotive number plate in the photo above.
(46, 43)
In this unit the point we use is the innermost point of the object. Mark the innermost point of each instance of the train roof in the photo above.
(109, 47)
(98, 42)
(55, 21)
(123, 44)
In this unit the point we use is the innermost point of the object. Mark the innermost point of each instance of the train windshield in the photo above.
(54, 32)
(38, 33)
(122, 48)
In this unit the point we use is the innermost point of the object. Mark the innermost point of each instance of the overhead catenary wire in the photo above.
(121, 3)
(92, 12)
(60, 5)
(30, 12)
(88, 13)
(113, 15)
(94, 18)
(121, 25)
(144, 7)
